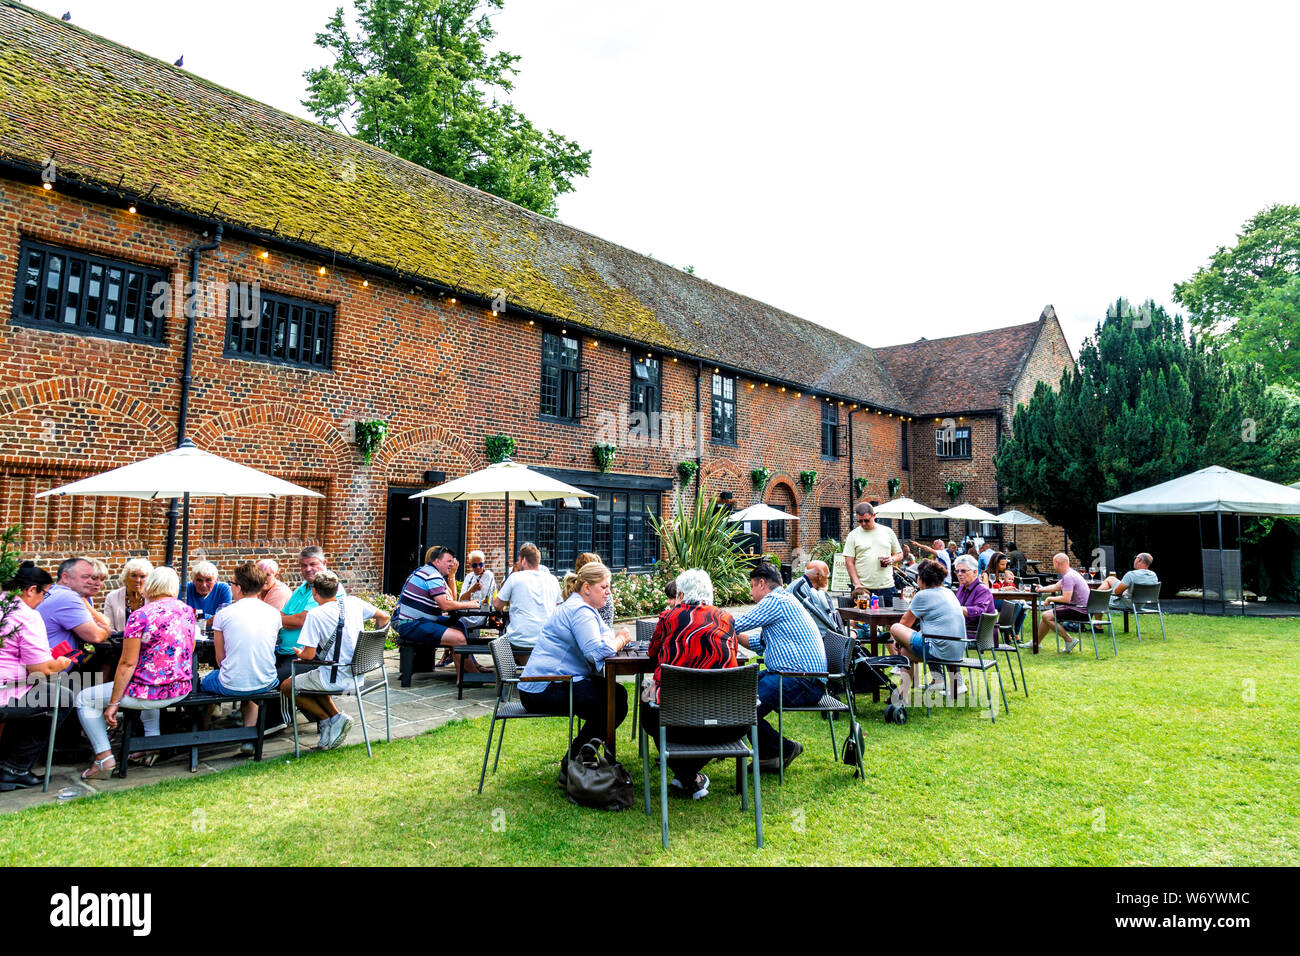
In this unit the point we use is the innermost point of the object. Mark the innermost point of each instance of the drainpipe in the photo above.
(699, 429)
(190, 298)
(851, 492)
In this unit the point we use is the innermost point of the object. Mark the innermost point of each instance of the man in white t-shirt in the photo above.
(244, 635)
(870, 552)
(940, 554)
(320, 637)
(532, 595)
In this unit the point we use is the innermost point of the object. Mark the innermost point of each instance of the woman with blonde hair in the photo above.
(154, 672)
(606, 612)
(572, 645)
(126, 600)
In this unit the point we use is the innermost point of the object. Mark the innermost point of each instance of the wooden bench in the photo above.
(195, 705)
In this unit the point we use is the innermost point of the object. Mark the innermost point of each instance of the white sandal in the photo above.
(100, 768)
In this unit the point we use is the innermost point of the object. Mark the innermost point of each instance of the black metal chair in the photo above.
(1007, 633)
(1146, 600)
(1099, 606)
(985, 642)
(54, 722)
(839, 658)
(645, 630)
(507, 707)
(726, 697)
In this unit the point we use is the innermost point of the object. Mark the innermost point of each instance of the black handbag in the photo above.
(596, 781)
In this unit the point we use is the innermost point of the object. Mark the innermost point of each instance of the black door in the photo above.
(412, 527)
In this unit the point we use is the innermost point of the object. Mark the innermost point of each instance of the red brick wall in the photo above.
(443, 376)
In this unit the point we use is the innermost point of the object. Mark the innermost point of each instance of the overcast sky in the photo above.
(888, 170)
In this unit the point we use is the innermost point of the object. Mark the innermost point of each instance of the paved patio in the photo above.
(429, 702)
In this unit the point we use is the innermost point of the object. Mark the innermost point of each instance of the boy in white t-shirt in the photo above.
(244, 635)
(320, 631)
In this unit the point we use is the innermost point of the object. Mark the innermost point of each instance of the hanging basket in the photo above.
(370, 435)
(953, 489)
(894, 485)
(604, 455)
(859, 487)
(498, 448)
(808, 479)
(760, 477)
(686, 471)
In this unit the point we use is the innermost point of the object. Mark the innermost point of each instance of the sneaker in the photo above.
(342, 726)
(961, 687)
(327, 730)
(247, 747)
(1071, 643)
(699, 791)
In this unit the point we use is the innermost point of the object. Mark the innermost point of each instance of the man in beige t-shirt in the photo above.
(870, 552)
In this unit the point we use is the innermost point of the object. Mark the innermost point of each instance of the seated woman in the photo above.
(126, 600)
(244, 636)
(999, 577)
(154, 671)
(691, 633)
(25, 706)
(938, 612)
(571, 644)
(606, 612)
(205, 593)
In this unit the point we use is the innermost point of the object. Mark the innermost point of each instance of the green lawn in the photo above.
(1177, 753)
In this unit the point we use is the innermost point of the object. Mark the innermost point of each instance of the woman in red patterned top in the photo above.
(692, 634)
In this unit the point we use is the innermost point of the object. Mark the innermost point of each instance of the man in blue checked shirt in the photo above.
(790, 642)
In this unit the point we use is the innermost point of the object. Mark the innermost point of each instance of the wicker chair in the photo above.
(508, 707)
(367, 656)
(645, 630)
(1143, 597)
(839, 657)
(726, 697)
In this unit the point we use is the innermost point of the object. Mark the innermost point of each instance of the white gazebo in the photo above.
(1216, 491)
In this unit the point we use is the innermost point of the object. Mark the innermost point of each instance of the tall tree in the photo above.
(418, 80)
(1247, 298)
(1145, 404)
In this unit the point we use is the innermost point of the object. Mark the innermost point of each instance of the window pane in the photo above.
(32, 283)
(94, 296)
(53, 283)
(72, 301)
(132, 310)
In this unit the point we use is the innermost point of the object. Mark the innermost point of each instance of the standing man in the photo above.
(275, 592)
(789, 641)
(1070, 605)
(940, 554)
(870, 552)
(66, 609)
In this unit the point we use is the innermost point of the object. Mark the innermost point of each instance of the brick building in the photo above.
(152, 222)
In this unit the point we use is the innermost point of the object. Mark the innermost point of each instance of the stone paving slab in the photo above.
(429, 702)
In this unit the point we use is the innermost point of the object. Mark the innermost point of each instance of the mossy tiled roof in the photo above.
(114, 116)
(962, 373)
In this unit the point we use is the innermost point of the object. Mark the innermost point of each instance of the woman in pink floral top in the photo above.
(154, 672)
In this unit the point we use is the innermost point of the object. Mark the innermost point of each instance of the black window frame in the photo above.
(719, 434)
(830, 431)
(776, 531)
(960, 441)
(825, 514)
(906, 466)
(568, 380)
(285, 325)
(615, 524)
(646, 396)
(141, 290)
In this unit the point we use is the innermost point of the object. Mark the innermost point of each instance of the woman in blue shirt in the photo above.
(571, 644)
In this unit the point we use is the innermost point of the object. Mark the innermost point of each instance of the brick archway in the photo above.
(325, 431)
(437, 435)
(53, 391)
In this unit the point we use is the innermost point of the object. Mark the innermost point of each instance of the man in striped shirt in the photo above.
(790, 643)
(423, 605)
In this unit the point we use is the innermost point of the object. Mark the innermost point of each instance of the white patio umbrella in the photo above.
(505, 481)
(184, 472)
(968, 512)
(761, 512)
(1016, 517)
(906, 509)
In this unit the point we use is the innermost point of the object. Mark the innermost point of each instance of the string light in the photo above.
(530, 321)
(321, 270)
(365, 284)
(265, 254)
(131, 209)
(783, 388)
(751, 384)
(452, 300)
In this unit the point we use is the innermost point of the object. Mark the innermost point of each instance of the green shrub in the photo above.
(705, 538)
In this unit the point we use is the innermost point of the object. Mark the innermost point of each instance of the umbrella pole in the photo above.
(185, 538)
(505, 555)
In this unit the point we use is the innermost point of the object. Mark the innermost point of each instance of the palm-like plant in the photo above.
(705, 538)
